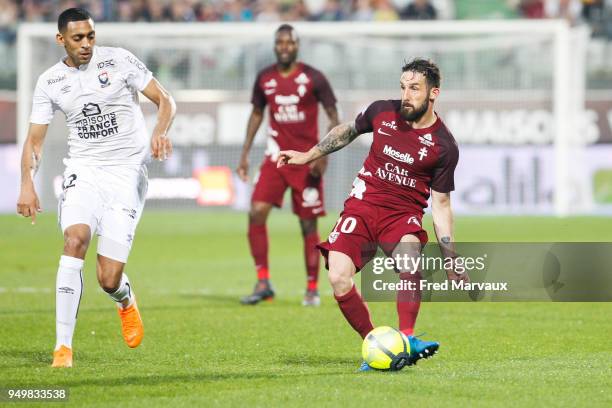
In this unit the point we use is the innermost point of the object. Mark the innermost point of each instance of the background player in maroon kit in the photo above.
(292, 91)
(412, 155)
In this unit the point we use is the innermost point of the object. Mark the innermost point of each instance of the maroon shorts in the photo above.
(306, 190)
(363, 227)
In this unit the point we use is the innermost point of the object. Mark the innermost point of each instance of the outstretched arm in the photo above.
(161, 147)
(336, 139)
(28, 204)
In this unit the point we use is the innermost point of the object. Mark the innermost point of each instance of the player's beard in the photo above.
(286, 62)
(416, 113)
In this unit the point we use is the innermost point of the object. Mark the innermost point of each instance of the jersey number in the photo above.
(347, 226)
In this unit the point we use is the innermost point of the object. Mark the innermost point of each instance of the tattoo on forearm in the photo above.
(447, 246)
(337, 138)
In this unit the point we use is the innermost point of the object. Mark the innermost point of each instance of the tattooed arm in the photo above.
(336, 139)
(442, 215)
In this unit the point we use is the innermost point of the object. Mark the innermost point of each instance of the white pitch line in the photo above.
(25, 289)
(183, 292)
(232, 292)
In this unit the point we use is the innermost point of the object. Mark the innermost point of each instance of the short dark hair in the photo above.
(286, 27)
(71, 14)
(427, 68)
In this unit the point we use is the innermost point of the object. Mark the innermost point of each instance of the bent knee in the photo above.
(338, 279)
(75, 245)
(341, 269)
(259, 212)
(308, 226)
(109, 285)
(109, 282)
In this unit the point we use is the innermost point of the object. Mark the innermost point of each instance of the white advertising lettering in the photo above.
(403, 157)
(396, 175)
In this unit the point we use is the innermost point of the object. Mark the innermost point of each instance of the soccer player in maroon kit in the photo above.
(292, 91)
(412, 155)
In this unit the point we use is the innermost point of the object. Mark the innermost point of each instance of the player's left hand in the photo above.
(292, 157)
(318, 167)
(161, 147)
(458, 277)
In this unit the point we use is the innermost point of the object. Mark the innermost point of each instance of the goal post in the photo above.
(493, 71)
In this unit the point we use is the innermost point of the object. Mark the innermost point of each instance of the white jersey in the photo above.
(100, 102)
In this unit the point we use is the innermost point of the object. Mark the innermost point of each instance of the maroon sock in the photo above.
(355, 311)
(311, 257)
(258, 242)
(408, 304)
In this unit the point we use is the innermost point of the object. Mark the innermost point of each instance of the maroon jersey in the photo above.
(404, 163)
(293, 105)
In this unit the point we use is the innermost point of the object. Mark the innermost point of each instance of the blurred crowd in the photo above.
(12, 11)
(592, 11)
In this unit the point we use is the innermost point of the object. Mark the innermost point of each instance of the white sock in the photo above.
(123, 292)
(68, 289)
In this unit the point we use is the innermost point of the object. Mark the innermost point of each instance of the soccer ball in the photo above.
(385, 348)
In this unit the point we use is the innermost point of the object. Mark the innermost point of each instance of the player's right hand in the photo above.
(243, 169)
(161, 147)
(28, 204)
(292, 157)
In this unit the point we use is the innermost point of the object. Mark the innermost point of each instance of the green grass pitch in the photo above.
(202, 348)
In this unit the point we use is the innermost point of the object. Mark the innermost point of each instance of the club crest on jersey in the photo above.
(426, 140)
(104, 79)
(399, 156)
(333, 237)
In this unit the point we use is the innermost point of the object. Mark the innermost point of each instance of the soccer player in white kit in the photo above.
(105, 181)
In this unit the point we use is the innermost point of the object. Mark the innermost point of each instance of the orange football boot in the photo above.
(131, 325)
(62, 358)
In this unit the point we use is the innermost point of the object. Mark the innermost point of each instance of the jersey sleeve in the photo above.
(443, 180)
(323, 90)
(363, 121)
(42, 105)
(258, 98)
(136, 73)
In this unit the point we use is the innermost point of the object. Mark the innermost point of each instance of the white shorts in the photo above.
(109, 199)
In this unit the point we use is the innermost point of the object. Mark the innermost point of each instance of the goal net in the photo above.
(513, 94)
